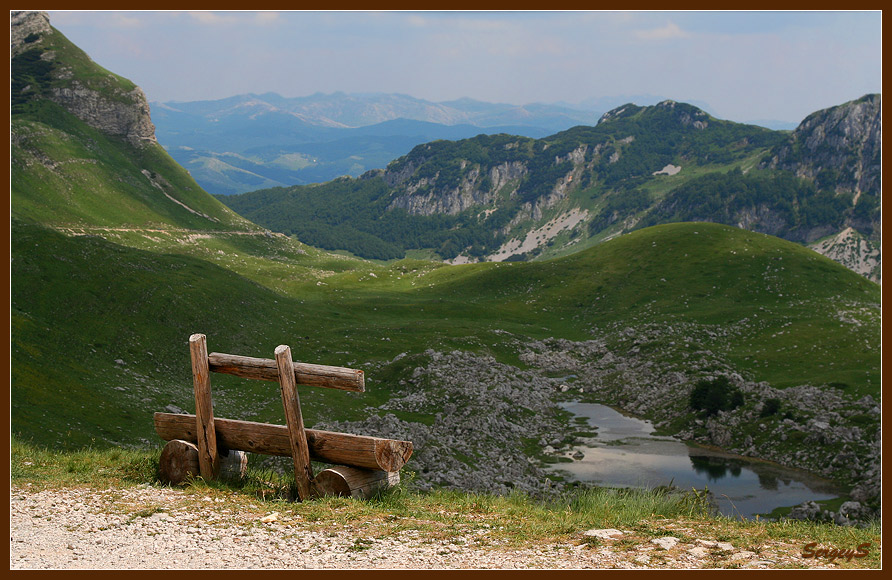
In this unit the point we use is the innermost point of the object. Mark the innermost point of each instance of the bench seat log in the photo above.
(304, 373)
(325, 446)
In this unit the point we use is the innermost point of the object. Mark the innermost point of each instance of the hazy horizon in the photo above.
(741, 66)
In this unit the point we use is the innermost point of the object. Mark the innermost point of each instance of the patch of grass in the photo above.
(38, 465)
(510, 521)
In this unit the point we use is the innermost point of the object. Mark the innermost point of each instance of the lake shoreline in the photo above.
(627, 449)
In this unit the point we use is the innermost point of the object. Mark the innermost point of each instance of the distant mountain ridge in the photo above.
(247, 142)
(504, 197)
(342, 110)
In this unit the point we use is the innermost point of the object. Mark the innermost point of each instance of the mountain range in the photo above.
(118, 255)
(247, 142)
(505, 197)
(251, 141)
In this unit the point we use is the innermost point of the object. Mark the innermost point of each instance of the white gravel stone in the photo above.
(667, 543)
(608, 534)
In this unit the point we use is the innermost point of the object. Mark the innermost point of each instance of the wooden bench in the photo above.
(201, 444)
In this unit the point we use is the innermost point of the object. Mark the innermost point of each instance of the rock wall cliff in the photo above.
(109, 103)
(842, 144)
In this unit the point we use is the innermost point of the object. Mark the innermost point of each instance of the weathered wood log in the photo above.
(304, 373)
(179, 462)
(343, 480)
(325, 446)
(204, 407)
(303, 471)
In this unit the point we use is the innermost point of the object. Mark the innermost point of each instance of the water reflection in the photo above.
(715, 468)
(625, 453)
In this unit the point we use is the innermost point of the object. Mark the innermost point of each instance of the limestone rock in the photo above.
(605, 534)
(667, 543)
(23, 24)
(109, 104)
(126, 115)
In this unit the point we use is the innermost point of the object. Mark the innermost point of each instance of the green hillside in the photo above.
(99, 302)
(783, 300)
(472, 196)
(98, 332)
(68, 174)
(73, 162)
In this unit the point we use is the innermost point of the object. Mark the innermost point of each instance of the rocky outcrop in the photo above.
(124, 114)
(26, 28)
(842, 144)
(421, 197)
(424, 197)
(501, 175)
(853, 251)
(106, 103)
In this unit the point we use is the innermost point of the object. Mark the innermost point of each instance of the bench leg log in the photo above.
(179, 461)
(342, 480)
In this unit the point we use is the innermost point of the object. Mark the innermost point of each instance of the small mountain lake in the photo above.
(625, 453)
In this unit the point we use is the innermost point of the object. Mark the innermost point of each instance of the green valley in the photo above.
(117, 256)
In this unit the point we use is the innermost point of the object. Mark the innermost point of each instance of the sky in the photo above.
(742, 66)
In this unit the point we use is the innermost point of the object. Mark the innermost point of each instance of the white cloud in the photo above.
(213, 18)
(416, 20)
(104, 20)
(208, 18)
(671, 30)
(264, 18)
(122, 20)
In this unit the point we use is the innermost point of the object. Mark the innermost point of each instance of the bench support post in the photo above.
(303, 471)
(208, 460)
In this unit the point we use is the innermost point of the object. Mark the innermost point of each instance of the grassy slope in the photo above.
(710, 274)
(66, 292)
(80, 304)
(67, 174)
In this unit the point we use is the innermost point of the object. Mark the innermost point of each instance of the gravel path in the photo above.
(157, 528)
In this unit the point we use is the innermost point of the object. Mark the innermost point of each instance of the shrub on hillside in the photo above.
(770, 407)
(712, 396)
